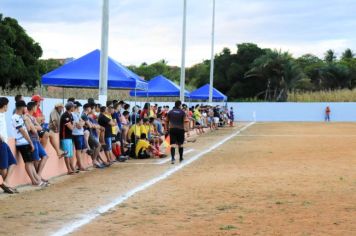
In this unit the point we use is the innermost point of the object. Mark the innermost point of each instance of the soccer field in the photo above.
(260, 179)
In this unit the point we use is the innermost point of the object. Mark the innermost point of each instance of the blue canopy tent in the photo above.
(84, 73)
(202, 93)
(160, 86)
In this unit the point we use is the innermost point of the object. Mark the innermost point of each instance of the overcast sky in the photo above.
(150, 30)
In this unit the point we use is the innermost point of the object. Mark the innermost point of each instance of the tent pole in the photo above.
(63, 94)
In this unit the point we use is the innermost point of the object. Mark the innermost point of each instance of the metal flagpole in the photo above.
(212, 57)
(103, 84)
(182, 70)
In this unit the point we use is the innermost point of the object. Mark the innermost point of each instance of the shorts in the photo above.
(108, 144)
(216, 120)
(67, 146)
(39, 152)
(177, 136)
(6, 157)
(197, 123)
(93, 142)
(79, 142)
(116, 138)
(26, 153)
(143, 155)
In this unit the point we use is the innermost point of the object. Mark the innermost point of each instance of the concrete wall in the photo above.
(293, 112)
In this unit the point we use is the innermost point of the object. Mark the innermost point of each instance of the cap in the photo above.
(69, 105)
(59, 105)
(77, 104)
(36, 98)
(20, 104)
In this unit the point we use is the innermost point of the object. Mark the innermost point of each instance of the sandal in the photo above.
(7, 189)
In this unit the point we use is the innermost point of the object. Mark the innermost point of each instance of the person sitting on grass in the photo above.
(39, 155)
(7, 159)
(66, 137)
(24, 144)
(145, 150)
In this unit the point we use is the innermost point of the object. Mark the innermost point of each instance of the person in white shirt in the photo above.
(7, 159)
(24, 144)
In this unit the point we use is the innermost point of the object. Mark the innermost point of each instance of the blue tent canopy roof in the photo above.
(160, 86)
(202, 93)
(84, 72)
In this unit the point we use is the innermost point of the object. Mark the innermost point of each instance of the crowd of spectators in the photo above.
(108, 133)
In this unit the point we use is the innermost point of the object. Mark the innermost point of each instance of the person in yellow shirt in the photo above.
(135, 131)
(143, 148)
(145, 128)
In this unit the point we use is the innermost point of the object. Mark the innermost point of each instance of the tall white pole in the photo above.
(182, 71)
(212, 57)
(103, 84)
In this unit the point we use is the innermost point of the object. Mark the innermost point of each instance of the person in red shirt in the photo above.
(44, 134)
(327, 114)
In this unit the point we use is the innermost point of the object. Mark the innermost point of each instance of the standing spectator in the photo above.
(66, 137)
(91, 141)
(327, 114)
(43, 134)
(7, 159)
(39, 154)
(125, 126)
(231, 117)
(216, 116)
(53, 125)
(175, 123)
(24, 144)
(107, 123)
(78, 136)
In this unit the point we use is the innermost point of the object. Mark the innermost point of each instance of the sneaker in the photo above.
(173, 161)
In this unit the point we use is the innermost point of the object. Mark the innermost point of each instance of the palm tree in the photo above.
(278, 71)
(347, 55)
(330, 56)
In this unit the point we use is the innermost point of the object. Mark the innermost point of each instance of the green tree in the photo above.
(330, 56)
(278, 72)
(347, 54)
(19, 55)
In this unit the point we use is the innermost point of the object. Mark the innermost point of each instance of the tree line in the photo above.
(249, 73)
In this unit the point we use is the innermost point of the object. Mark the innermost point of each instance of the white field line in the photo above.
(297, 135)
(90, 216)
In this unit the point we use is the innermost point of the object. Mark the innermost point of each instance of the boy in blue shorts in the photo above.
(66, 137)
(33, 127)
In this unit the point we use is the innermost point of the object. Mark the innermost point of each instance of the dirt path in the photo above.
(43, 211)
(260, 183)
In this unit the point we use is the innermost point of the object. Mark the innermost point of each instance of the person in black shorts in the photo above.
(175, 123)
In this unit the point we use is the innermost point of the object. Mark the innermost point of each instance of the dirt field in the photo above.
(272, 179)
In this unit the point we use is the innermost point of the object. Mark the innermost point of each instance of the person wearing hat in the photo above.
(78, 135)
(38, 114)
(24, 144)
(65, 136)
(54, 119)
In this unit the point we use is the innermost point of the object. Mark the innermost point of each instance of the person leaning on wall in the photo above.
(7, 159)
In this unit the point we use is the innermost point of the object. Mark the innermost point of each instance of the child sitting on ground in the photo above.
(145, 150)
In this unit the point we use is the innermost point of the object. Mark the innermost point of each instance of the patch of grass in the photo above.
(341, 178)
(279, 203)
(306, 203)
(43, 213)
(228, 227)
(225, 207)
